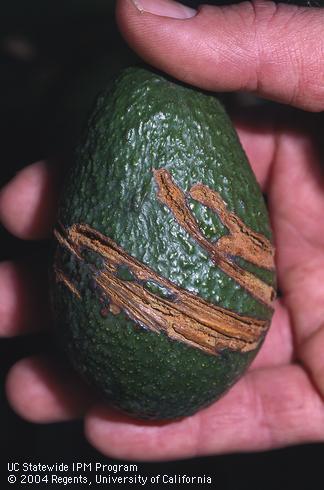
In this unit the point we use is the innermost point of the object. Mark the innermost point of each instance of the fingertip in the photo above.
(24, 302)
(152, 37)
(28, 202)
(29, 398)
(39, 393)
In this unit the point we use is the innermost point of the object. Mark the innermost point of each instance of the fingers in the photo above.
(41, 391)
(273, 50)
(28, 202)
(24, 302)
(266, 409)
(119, 436)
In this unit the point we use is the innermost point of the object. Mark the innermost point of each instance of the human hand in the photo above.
(273, 51)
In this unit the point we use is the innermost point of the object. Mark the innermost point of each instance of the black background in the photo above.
(65, 41)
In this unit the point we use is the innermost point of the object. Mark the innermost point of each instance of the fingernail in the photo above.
(165, 8)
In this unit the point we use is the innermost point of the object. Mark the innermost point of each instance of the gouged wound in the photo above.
(181, 315)
(61, 277)
(241, 241)
(185, 317)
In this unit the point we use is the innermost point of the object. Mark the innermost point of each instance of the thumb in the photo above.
(275, 51)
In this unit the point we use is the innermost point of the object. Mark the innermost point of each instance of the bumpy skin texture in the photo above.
(143, 122)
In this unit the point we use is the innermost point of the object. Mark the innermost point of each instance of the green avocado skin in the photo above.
(145, 121)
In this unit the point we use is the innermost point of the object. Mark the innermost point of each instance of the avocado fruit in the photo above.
(162, 279)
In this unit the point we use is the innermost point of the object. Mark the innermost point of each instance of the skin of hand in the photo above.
(275, 51)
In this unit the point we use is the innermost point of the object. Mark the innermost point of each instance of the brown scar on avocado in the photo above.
(181, 315)
(241, 241)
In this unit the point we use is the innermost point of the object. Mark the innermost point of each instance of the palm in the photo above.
(275, 402)
(287, 163)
